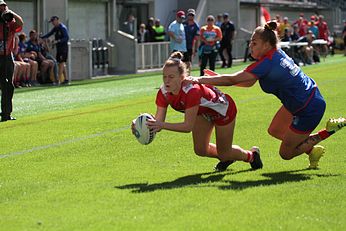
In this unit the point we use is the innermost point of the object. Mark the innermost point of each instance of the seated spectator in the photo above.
(21, 74)
(295, 35)
(310, 55)
(29, 58)
(287, 37)
(142, 34)
(46, 66)
(46, 48)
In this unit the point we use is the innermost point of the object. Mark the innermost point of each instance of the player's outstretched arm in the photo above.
(241, 78)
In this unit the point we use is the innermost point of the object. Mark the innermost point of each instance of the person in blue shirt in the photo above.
(192, 37)
(176, 33)
(61, 41)
(302, 103)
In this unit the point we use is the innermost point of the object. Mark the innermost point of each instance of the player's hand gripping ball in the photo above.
(143, 134)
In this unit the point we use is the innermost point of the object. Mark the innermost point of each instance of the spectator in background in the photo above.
(14, 24)
(192, 37)
(302, 25)
(29, 58)
(283, 26)
(177, 34)
(150, 30)
(21, 74)
(210, 37)
(344, 37)
(219, 20)
(46, 47)
(129, 25)
(308, 51)
(46, 66)
(287, 36)
(323, 31)
(61, 42)
(278, 22)
(312, 27)
(142, 34)
(159, 31)
(228, 31)
(295, 35)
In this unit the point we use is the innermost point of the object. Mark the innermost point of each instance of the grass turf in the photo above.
(70, 162)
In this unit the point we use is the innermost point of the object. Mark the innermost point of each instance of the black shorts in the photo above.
(61, 55)
(188, 55)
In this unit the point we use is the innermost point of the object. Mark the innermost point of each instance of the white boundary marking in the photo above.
(38, 148)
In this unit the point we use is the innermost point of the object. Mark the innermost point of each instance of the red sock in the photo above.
(324, 134)
(249, 156)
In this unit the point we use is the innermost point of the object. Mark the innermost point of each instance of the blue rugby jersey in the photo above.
(279, 75)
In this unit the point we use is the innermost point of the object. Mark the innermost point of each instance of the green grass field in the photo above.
(70, 162)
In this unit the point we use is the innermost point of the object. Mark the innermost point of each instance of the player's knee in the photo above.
(200, 151)
(285, 155)
(272, 131)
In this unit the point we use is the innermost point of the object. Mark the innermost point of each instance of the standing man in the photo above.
(192, 37)
(159, 31)
(176, 33)
(61, 39)
(227, 28)
(10, 23)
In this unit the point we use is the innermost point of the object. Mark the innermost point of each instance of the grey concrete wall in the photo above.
(53, 7)
(126, 53)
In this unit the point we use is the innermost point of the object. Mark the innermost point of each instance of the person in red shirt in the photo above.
(323, 31)
(205, 107)
(10, 23)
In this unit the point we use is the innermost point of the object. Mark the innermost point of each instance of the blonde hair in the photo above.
(175, 59)
(268, 34)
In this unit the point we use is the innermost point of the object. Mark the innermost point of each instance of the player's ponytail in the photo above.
(271, 25)
(175, 59)
(267, 33)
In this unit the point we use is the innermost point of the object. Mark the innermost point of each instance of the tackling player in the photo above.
(205, 107)
(303, 105)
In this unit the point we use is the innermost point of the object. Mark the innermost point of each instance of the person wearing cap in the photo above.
(192, 36)
(228, 30)
(159, 31)
(61, 41)
(177, 34)
(11, 23)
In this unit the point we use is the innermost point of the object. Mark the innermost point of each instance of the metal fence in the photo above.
(152, 55)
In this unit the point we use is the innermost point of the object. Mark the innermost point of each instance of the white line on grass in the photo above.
(38, 148)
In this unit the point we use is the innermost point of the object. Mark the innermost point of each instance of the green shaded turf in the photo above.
(70, 162)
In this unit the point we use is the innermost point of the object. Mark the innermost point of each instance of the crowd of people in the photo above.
(34, 63)
(306, 31)
(185, 35)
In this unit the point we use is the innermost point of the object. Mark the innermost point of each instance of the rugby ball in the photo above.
(141, 131)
